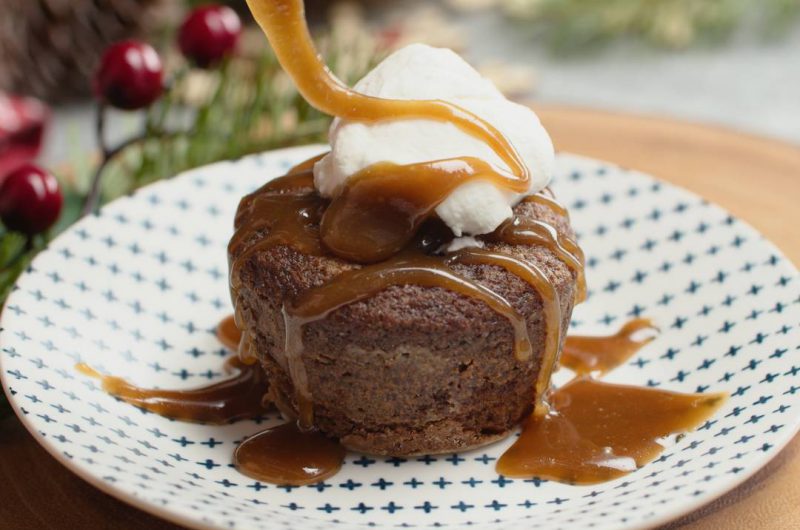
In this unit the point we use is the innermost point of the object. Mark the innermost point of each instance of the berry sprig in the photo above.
(227, 104)
(131, 77)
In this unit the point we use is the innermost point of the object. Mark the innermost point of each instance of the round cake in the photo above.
(411, 369)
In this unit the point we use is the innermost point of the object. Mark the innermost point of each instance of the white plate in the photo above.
(137, 290)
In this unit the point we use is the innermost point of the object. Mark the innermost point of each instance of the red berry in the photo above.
(209, 34)
(130, 75)
(30, 200)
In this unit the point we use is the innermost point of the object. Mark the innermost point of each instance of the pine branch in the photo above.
(246, 106)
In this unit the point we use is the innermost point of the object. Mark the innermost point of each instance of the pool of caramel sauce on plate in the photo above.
(592, 431)
(237, 398)
(380, 219)
(284, 454)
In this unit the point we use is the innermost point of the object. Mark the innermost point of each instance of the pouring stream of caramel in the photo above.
(284, 24)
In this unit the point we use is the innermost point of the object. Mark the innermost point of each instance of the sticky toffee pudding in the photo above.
(368, 334)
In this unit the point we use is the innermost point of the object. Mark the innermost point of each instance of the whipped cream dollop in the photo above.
(423, 72)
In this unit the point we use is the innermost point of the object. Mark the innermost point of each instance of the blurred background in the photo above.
(729, 62)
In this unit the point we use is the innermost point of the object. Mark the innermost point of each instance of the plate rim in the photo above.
(179, 518)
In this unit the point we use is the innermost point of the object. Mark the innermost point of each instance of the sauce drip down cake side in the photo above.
(411, 369)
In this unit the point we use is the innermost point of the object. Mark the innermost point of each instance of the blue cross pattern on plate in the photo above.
(137, 290)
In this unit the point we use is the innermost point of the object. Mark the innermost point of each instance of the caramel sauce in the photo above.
(289, 455)
(283, 22)
(596, 432)
(228, 333)
(517, 231)
(380, 210)
(382, 207)
(593, 431)
(551, 308)
(599, 355)
(590, 432)
(233, 338)
(408, 268)
(287, 211)
(237, 398)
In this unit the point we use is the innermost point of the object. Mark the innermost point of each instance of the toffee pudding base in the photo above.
(410, 369)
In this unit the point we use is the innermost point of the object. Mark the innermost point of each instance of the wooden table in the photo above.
(756, 179)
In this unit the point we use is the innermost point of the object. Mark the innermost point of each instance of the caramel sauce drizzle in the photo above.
(288, 210)
(589, 355)
(239, 397)
(382, 207)
(551, 307)
(284, 24)
(289, 455)
(518, 231)
(596, 432)
(590, 432)
(284, 454)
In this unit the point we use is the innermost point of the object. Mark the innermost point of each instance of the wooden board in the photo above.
(756, 179)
